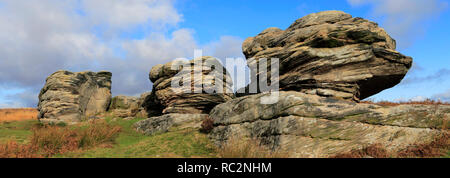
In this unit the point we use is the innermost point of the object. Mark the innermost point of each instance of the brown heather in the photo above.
(18, 114)
(434, 149)
(425, 102)
(207, 125)
(12, 149)
(437, 148)
(47, 140)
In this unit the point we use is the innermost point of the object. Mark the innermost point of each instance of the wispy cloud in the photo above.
(438, 76)
(39, 37)
(404, 18)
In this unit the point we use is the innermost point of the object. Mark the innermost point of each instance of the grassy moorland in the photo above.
(25, 137)
(131, 144)
(105, 139)
(116, 138)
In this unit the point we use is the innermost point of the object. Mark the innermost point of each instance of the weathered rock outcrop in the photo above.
(124, 106)
(312, 126)
(185, 107)
(192, 99)
(129, 106)
(71, 97)
(331, 54)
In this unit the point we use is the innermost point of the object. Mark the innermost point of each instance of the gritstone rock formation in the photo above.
(328, 60)
(187, 106)
(128, 106)
(331, 54)
(186, 100)
(124, 106)
(306, 125)
(71, 97)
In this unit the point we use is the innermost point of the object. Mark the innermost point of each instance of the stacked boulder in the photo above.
(185, 92)
(191, 99)
(72, 97)
(328, 60)
(330, 54)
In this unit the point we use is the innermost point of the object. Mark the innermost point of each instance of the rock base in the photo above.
(162, 124)
(313, 127)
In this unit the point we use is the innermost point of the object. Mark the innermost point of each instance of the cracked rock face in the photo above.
(306, 125)
(71, 97)
(187, 100)
(331, 54)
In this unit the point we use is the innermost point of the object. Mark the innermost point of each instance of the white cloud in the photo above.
(142, 55)
(414, 77)
(403, 18)
(157, 48)
(443, 96)
(413, 99)
(39, 37)
(418, 98)
(227, 46)
(230, 47)
(119, 14)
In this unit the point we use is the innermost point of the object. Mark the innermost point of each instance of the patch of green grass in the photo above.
(131, 144)
(18, 131)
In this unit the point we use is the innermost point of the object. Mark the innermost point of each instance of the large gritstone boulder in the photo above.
(204, 83)
(304, 125)
(330, 54)
(193, 97)
(72, 97)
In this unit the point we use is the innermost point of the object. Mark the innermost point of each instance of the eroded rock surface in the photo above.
(185, 107)
(72, 97)
(192, 99)
(312, 126)
(331, 54)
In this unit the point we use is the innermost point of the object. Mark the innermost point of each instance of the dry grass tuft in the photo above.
(18, 114)
(250, 148)
(47, 140)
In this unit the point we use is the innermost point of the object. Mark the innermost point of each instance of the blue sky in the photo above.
(38, 37)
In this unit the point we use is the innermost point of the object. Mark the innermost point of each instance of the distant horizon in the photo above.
(37, 38)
